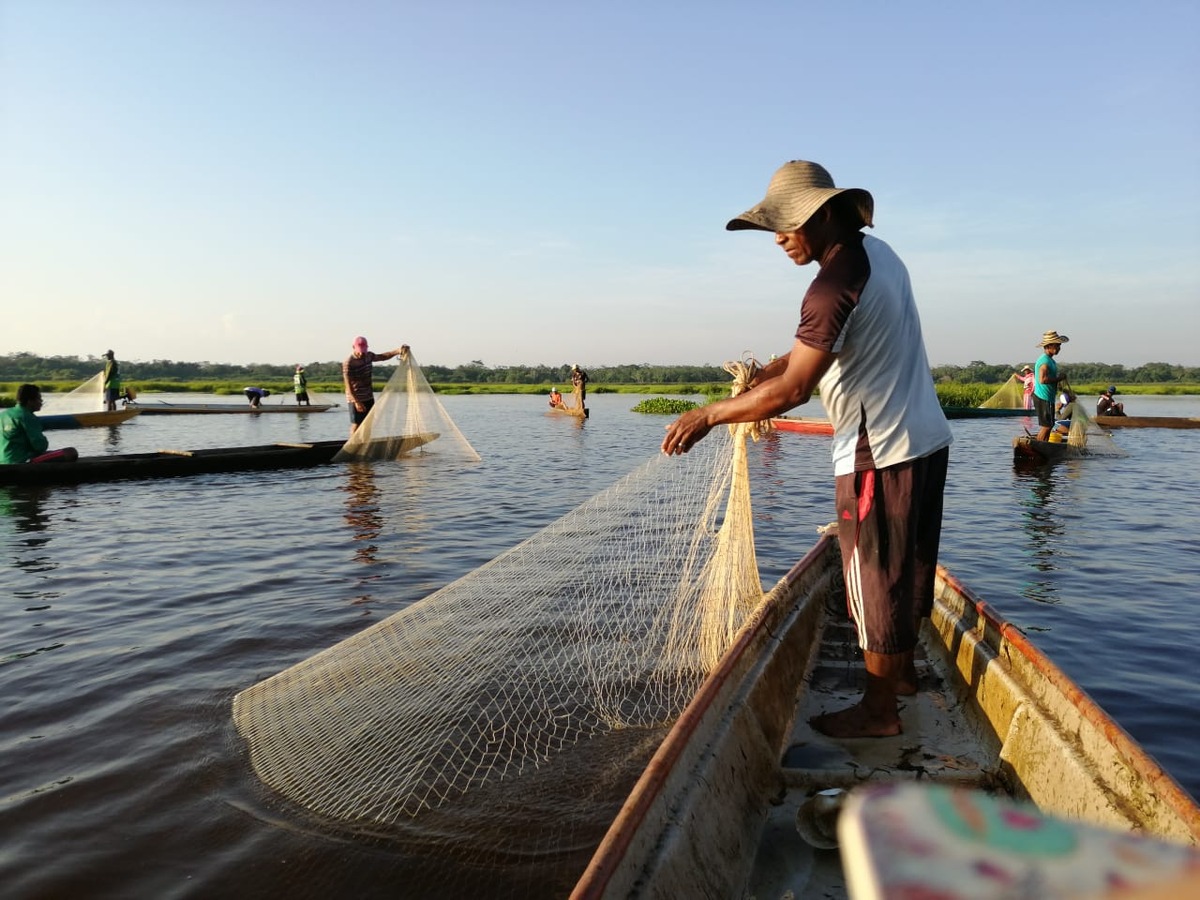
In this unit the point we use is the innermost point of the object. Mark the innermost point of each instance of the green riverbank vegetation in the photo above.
(957, 385)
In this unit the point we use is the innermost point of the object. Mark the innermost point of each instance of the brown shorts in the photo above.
(889, 526)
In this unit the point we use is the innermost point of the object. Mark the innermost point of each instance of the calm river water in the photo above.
(134, 611)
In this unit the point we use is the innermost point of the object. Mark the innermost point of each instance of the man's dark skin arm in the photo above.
(782, 384)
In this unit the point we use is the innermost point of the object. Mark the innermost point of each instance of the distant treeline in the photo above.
(19, 367)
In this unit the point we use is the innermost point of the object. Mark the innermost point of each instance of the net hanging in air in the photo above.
(407, 415)
(607, 619)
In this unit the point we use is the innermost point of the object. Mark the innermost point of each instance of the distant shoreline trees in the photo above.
(22, 367)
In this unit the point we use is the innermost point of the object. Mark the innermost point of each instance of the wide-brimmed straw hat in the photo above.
(797, 190)
(1052, 337)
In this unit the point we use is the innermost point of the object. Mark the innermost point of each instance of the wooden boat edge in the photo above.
(644, 814)
(647, 850)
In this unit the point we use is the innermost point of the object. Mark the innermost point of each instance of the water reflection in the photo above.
(1043, 526)
(24, 517)
(362, 511)
(112, 440)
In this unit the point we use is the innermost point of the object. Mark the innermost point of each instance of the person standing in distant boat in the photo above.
(1107, 406)
(112, 381)
(859, 341)
(21, 437)
(1047, 381)
(579, 380)
(255, 395)
(301, 385)
(1027, 378)
(357, 372)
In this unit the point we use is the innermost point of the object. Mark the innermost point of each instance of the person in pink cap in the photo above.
(357, 372)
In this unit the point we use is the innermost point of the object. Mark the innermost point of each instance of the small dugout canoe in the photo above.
(197, 409)
(984, 412)
(175, 463)
(1147, 421)
(715, 812)
(58, 421)
(802, 424)
(1029, 450)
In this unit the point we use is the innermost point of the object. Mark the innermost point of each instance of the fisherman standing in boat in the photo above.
(301, 385)
(112, 381)
(357, 372)
(21, 437)
(579, 380)
(859, 340)
(1047, 381)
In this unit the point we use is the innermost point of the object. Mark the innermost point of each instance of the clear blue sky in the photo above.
(548, 182)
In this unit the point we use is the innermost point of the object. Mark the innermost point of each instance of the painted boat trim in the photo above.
(58, 421)
(802, 424)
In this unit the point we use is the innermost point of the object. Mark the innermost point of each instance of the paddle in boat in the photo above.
(172, 463)
(722, 807)
(57, 421)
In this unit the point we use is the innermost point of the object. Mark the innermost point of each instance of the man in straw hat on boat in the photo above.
(1046, 382)
(859, 340)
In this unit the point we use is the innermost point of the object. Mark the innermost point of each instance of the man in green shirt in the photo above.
(21, 438)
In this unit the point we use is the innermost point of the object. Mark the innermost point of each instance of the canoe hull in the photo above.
(802, 424)
(175, 463)
(54, 422)
(1030, 451)
(1147, 422)
(200, 409)
(714, 814)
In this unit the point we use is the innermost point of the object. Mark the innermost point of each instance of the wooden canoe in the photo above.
(1028, 449)
(715, 812)
(578, 412)
(173, 463)
(1147, 421)
(802, 424)
(58, 421)
(984, 412)
(194, 409)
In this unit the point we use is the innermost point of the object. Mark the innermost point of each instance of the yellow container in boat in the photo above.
(1055, 437)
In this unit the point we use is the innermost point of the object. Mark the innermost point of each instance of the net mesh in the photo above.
(1011, 395)
(604, 622)
(406, 414)
(88, 397)
(1087, 435)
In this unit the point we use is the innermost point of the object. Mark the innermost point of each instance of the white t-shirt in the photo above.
(879, 392)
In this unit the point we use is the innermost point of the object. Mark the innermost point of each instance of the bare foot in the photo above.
(906, 684)
(855, 722)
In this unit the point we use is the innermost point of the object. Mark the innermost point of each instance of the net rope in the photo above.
(608, 619)
(407, 415)
(88, 397)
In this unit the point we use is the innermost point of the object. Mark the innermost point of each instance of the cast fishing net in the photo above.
(1011, 395)
(479, 696)
(406, 416)
(88, 397)
(1090, 437)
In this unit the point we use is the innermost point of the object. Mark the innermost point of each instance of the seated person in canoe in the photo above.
(556, 400)
(21, 438)
(1107, 406)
